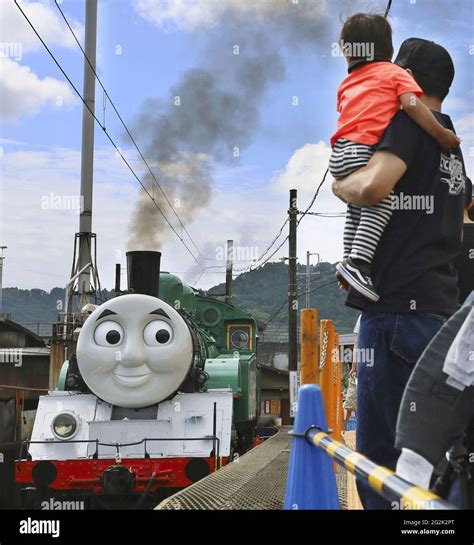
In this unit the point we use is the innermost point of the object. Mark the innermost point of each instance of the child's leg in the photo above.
(350, 227)
(372, 223)
(346, 157)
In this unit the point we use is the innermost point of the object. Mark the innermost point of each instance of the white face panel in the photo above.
(134, 351)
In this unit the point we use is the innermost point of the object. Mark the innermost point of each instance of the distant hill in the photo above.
(264, 290)
(261, 292)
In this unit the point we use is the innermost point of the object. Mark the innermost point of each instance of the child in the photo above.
(350, 399)
(367, 99)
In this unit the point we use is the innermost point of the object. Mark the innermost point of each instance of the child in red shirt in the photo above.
(367, 99)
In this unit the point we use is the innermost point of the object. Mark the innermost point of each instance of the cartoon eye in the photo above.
(108, 333)
(158, 333)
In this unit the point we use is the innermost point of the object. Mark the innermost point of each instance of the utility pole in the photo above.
(2, 248)
(228, 272)
(292, 285)
(292, 305)
(85, 234)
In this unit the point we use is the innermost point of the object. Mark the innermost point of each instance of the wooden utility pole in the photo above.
(228, 272)
(292, 285)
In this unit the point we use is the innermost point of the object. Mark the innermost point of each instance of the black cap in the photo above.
(431, 64)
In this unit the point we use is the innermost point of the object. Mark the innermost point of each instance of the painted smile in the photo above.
(132, 376)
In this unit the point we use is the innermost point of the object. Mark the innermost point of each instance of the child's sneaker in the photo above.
(358, 276)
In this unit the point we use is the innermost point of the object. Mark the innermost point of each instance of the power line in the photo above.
(275, 314)
(125, 126)
(327, 214)
(272, 243)
(251, 268)
(281, 323)
(314, 197)
(105, 131)
(274, 240)
(199, 278)
(147, 165)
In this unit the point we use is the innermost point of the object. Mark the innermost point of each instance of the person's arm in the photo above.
(422, 115)
(371, 184)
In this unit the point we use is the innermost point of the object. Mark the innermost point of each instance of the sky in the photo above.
(256, 82)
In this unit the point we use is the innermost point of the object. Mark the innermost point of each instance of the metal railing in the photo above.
(379, 478)
(24, 447)
(42, 329)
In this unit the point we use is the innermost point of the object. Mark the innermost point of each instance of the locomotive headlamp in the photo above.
(239, 337)
(64, 425)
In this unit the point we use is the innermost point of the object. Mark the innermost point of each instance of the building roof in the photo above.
(31, 339)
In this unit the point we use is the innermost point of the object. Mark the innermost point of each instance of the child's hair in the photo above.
(367, 36)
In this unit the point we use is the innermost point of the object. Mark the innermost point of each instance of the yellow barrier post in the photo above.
(309, 346)
(326, 370)
(338, 408)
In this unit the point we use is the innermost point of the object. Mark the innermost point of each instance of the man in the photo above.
(465, 261)
(413, 269)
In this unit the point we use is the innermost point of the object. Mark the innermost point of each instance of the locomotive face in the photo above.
(134, 351)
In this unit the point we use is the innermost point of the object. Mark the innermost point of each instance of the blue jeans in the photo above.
(390, 345)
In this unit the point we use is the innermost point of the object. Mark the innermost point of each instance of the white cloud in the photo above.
(39, 236)
(464, 125)
(24, 93)
(192, 15)
(40, 239)
(304, 172)
(47, 20)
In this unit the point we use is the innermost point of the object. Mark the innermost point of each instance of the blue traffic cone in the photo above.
(311, 480)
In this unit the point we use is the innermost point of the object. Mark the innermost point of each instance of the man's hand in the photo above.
(341, 282)
(371, 184)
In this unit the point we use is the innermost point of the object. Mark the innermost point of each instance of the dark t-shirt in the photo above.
(465, 263)
(413, 268)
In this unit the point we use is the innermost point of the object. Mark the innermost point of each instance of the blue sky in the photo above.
(157, 43)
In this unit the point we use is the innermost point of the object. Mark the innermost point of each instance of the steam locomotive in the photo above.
(162, 390)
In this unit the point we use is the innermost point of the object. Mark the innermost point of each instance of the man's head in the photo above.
(366, 36)
(430, 64)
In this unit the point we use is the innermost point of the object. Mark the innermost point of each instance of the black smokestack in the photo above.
(144, 272)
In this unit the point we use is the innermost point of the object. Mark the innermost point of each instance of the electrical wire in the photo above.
(275, 314)
(314, 197)
(106, 95)
(105, 132)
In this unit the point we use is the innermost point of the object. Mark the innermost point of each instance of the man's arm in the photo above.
(372, 183)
